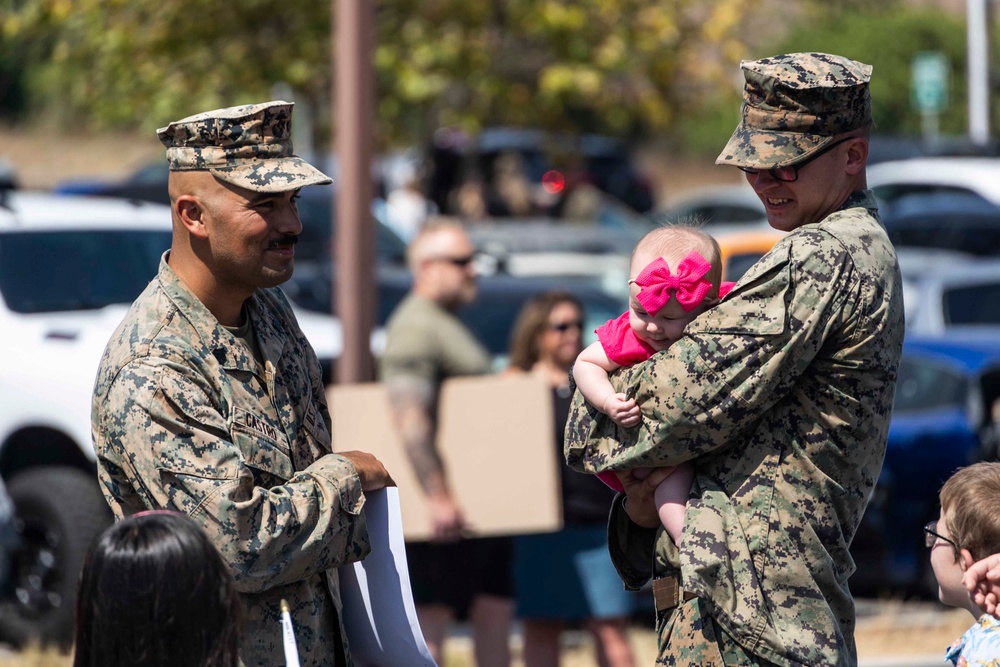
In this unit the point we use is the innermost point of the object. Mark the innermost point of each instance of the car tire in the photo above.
(59, 511)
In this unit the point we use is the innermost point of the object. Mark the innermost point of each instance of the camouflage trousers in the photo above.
(688, 637)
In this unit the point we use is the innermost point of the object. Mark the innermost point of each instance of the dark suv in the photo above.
(552, 164)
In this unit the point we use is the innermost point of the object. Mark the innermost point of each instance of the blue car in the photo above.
(945, 416)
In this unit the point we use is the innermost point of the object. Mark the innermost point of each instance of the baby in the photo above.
(675, 275)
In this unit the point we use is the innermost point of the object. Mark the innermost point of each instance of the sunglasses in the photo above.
(931, 536)
(563, 327)
(790, 174)
(460, 262)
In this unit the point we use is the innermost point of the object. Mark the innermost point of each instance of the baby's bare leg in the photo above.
(671, 500)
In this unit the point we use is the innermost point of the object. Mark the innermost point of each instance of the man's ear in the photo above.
(857, 155)
(965, 560)
(192, 214)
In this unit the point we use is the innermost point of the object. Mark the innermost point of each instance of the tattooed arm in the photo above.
(413, 402)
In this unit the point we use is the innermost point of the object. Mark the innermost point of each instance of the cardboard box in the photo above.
(495, 436)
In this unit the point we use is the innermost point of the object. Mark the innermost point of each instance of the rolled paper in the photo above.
(288, 636)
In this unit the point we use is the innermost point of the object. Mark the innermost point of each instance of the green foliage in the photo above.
(888, 40)
(622, 66)
(705, 131)
(142, 62)
(628, 67)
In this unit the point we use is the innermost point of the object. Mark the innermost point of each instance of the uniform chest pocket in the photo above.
(758, 304)
(260, 444)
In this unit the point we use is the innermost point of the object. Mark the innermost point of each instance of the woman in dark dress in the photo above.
(567, 576)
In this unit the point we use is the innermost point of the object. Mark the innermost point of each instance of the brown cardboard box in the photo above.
(495, 436)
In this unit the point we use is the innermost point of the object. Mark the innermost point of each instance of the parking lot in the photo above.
(909, 632)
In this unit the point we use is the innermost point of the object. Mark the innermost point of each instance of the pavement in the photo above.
(460, 641)
(908, 617)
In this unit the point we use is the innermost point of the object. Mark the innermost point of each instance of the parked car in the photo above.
(317, 242)
(10, 542)
(69, 268)
(547, 247)
(885, 148)
(552, 164)
(741, 249)
(960, 297)
(941, 421)
(720, 207)
(970, 175)
(960, 221)
(147, 183)
(490, 317)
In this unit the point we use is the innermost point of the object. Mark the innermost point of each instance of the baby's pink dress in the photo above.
(624, 348)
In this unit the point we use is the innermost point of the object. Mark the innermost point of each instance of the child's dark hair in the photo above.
(155, 592)
(970, 501)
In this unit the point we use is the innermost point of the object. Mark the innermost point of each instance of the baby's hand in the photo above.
(623, 411)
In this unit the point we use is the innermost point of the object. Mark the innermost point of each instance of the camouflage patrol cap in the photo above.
(794, 105)
(248, 146)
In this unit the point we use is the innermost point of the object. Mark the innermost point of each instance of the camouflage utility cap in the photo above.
(794, 105)
(248, 146)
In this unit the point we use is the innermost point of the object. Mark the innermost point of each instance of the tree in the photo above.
(886, 37)
(888, 40)
(623, 66)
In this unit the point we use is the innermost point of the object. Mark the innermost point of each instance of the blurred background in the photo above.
(557, 132)
(662, 78)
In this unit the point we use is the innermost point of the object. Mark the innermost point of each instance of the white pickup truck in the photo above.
(69, 268)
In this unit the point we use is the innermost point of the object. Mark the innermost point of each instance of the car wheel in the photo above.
(58, 513)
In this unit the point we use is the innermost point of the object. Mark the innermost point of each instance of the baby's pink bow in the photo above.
(689, 284)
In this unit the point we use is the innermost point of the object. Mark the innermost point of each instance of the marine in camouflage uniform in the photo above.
(232, 427)
(781, 394)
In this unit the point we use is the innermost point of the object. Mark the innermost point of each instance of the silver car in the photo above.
(952, 293)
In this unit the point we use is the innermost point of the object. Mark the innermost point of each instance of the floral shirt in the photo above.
(979, 646)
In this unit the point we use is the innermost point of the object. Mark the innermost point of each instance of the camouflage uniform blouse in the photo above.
(184, 418)
(782, 393)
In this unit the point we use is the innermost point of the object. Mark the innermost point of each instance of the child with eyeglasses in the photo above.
(675, 275)
(968, 530)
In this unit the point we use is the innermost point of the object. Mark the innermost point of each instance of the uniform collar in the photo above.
(219, 341)
(861, 199)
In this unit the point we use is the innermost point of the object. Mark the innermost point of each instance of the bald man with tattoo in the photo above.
(452, 575)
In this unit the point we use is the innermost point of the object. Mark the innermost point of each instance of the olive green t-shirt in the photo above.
(426, 341)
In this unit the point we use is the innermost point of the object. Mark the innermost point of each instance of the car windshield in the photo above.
(492, 316)
(973, 304)
(739, 264)
(44, 272)
(928, 386)
(944, 220)
(314, 242)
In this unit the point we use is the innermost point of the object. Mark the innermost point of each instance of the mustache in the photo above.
(286, 240)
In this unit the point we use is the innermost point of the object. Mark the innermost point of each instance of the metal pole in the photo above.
(354, 260)
(978, 31)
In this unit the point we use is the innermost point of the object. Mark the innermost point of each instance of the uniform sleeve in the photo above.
(735, 362)
(631, 546)
(171, 444)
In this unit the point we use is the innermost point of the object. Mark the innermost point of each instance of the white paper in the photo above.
(288, 637)
(379, 616)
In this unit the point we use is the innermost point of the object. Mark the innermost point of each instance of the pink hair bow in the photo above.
(688, 284)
